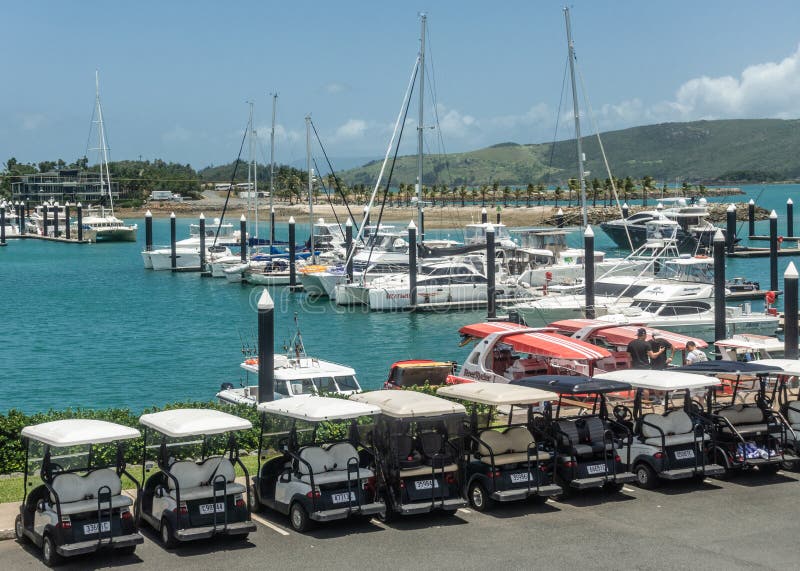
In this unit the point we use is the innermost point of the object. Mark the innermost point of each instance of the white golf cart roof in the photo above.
(659, 380)
(193, 421)
(496, 394)
(318, 409)
(409, 404)
(789, 366)
(76, 431)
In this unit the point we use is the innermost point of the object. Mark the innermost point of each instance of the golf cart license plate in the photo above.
(92, 528)
(209, 508)
(684, 454)
(517, 478)
(596, 469)
(426, 484)
(341, 498)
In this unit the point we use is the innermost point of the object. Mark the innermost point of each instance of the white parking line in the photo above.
(627, 489)
(269, 524)
(464, 511)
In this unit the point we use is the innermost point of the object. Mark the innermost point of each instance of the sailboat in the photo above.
(103, 224)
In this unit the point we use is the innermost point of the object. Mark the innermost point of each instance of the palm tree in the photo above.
(558, 193)
(483, 191)
(495, 190)
(595, 191)
(528, 194)
(462, 192)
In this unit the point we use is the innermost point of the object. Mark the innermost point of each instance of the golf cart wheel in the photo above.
(254, 503)
(646, 477)
(790, 466)
(612, 487)
(769, 469)
(479, 497)
(19, 530)
(387, 515)
(298, 518)
(166, 534)
(50, 556)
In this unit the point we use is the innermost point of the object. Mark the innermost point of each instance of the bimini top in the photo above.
(318, 409)
(568, 384)
(542, 343)
(409, 404)
(193, 421)
(76, 431)
(659, 380)
(623, 334)
(788, 366)
(730, 367)
(496, 394)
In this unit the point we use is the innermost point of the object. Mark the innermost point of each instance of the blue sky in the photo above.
(175, 76)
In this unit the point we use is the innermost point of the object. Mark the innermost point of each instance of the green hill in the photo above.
(739, 150)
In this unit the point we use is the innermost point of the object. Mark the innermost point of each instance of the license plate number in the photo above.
(684, 454)
(341, 498)
(517, 478)
(596, 469)
(426, 484)
(206, 509)
(93, 528)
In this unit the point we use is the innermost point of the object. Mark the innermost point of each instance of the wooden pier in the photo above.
(749, 295)
(48, 239)
(746, 252)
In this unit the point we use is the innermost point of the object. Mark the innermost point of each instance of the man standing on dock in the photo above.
(658, 352)
(639, 350)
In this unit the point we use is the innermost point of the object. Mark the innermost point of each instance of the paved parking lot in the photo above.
(750, 522)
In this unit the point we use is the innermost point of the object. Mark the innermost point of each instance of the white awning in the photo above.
(76, 431)
(659, 380)
(318, 409)
(409, 404)
(193, 421)
(496, 394)
(789, 366)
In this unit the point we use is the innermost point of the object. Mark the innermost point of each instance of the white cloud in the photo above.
(335, 87)
(31, 121)
(455, 124)
(351, 129)
(535, 116)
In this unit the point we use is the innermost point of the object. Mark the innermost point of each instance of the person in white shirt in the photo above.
(693, 354)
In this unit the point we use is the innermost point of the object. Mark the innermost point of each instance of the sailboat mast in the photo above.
(310, 184)
(576, 112)
(102, 142)
(254, 137)
(421, 124)
(250, 157)
(272, 165)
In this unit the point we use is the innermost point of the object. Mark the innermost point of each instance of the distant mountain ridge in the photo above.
(735, 150)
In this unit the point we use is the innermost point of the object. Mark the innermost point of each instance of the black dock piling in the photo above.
(588, 267)
(202, 231)
(66, 222)
(348, 240)
(272, 226)
(720, 326)
(790, 312)
(55, 221)
(2, 225)
(421, 225)
(730, 230)
(498, 215)
(80, 222)
(243, 238)
(45, 217)
(412, 265)
(491, 289)
(773, 251)
(266, 348)
(560, 218)
(625, 211)
(172, 238)
(21, 216)
(751, 218)
(148, 231)
(790, 218)
(292, 255)
(484, 216)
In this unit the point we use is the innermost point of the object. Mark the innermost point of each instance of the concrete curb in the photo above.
(6, 534)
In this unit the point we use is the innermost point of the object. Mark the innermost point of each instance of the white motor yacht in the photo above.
(189, 248)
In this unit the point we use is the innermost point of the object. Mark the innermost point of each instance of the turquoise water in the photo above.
(88, 326)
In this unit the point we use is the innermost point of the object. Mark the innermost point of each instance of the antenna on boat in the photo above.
(576, 112)
(103, 148)
(423, 18)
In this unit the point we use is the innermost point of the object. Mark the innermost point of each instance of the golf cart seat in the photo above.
(329, 466)
(433, 446)
(509, 447)
(407, 456)
(746, 419)
(585, 437)
(196, 480)
(676, 426)
(78, 494)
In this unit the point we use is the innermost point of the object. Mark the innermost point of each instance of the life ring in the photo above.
(701, 256)
(251, 362)
(769, 297)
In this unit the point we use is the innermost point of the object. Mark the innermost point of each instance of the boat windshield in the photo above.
(671, 309)
(347, 383)
(683, 271)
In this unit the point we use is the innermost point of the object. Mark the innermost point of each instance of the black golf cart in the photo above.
(747, 433)
(194, 494)
(505, 462)
(324, 470)
(592, 450)
(79, 506)
(419, 452)
(672, 445)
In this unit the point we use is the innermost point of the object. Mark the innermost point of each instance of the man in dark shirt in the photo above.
(639, 349)
(658, 353)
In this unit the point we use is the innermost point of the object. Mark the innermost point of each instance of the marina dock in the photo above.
(747, 252)
(48, 239)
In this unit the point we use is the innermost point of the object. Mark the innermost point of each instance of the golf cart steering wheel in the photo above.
(764, 402)
(622, 413)
(56, 467)
(283, 444)
(696, 407)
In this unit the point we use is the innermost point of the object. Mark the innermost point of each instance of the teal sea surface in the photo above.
(87, 326)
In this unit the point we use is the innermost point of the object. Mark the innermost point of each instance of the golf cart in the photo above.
(591, 449)
(746, 434)
(324, 470)
(419, 452)
(79, 506)
(673, 445)
(788, 407)
(194, 494)
(505, 462)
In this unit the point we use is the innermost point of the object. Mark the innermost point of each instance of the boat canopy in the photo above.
(77, 431)
(496, 394)
(728, 367)
(181, 422)
(750, 341)
(409, 404)
(787, 366)
(544, 343)
(659, 380)
(572, 385)
(318, 409)
(624, 334)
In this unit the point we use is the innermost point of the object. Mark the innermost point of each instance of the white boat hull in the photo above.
(267, 279)
(312, 284)
(546, 310)
(351, 294)
(704, 328)
(148, 263)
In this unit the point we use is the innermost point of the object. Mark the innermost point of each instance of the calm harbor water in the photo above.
(87, 326)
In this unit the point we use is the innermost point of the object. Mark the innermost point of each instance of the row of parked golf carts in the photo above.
(394, 453)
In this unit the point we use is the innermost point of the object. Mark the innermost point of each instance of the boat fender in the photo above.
(769, 297)
(226, 386)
